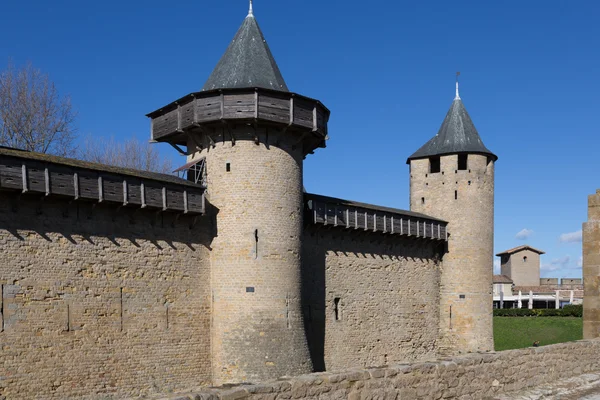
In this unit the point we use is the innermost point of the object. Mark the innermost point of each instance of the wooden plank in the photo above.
(315, 118)
(100, 190)
(164, 198)
(347, 218)
(143, 195)
(185, 202)
(76, 185)
(47, 180)
(255, 103)
(24, 175)
(392, 223)
(125, 197)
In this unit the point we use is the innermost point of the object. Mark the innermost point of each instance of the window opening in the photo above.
(255, 243)
(524, 258)
(456, 195)
(228, 167)
(336, 308)
(422, 200)
(434, 165)
(462, 162)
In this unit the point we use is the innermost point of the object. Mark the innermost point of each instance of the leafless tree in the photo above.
(33, 116)
(131, 153)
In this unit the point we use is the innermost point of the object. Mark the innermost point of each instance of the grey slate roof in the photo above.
(247, 62)
(456, 135)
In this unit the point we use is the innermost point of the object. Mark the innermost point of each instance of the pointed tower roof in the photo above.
(456, 135)
(247, 62)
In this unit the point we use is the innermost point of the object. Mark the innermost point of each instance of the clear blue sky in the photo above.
(530, 80)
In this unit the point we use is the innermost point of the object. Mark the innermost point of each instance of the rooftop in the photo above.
(502, 279)
(247, 62)
(456, 135)
(518, 249)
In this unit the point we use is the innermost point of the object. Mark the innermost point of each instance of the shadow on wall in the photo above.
(353, 255)
(84, 221)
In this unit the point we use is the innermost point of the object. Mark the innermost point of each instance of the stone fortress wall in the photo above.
(464, 198)
(473, 376)
(591, 269)
(369, 298)
(100, 301)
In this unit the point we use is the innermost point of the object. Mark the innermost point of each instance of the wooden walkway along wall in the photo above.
(345, 215)
(30, 176)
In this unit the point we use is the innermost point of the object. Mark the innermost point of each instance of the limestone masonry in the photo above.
(122, 284)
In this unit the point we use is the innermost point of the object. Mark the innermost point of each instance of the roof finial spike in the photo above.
(457, 95)
(250, 11)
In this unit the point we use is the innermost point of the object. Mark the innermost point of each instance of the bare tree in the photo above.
(132, 153)
(33, 116)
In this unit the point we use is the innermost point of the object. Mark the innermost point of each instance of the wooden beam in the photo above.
(76, 185)
(402, 226)
(222, 99)
(256, 103)
(164, 198)
(384, 224)
(315, 118)
(292, 110)
(335, 218)
(194, 101)
(179, 127)
(439, 234)
(47, 180)
(125, 192)
(392, 223)
(143, 195)
(100, 190)
(24, 176)
(185, 202)
(347, 218)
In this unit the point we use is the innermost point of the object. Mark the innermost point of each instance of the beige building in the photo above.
(522, 265)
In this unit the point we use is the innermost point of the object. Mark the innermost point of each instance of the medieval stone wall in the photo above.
(472, 376)
(464, 198)
(368, 298)
(100, 301)
(591, 269)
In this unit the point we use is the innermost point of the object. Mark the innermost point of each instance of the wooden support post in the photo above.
(179, 117)
(366, 220)
(325, 218)
(100, 190)
(439, 235)
(392, 224)
(315, 118)
(195, 108)
(143, 195)
(24, 175)
(347, 218)
(255, 104)
(335, 218)
(125, 194)
(185, 202)
(314, 212)
(47, 180)
(355, 219)
(402, 226)
(417, 228)
(291, 110)
(384, 224)
(76, 185)
(222, 105)
(164, 198)
(409, 227)
(374, 222)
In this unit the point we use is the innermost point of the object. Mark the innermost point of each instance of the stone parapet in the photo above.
(473, 376)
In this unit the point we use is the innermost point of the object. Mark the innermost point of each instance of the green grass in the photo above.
(520, 332)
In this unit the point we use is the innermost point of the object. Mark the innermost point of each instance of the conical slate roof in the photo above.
(247, 63)
(456, 135)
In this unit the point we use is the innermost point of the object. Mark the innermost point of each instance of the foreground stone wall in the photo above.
(100, 302)
(591, 269)
(369, 298)
(473, 376)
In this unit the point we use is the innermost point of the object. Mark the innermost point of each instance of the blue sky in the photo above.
(530, 78)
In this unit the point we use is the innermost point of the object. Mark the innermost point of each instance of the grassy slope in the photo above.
(519, 332)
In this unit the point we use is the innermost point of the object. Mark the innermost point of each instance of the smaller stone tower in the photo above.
(452, 178)
(250, 135)
(591, 269)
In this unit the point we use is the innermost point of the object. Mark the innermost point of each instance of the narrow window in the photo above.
(434, 165)
(462, 162)
(255, 243)
(228, 167)
(525, 259)
(336, 309)
(456, 195)
(422, 200)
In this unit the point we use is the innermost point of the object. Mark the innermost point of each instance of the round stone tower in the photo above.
(452, 178)
(248, 136)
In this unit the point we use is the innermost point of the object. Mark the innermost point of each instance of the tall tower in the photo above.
(250, 135)
(452, 178)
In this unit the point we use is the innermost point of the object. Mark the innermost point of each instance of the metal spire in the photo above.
(250, 11)
(457, 95)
